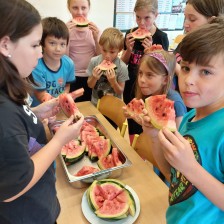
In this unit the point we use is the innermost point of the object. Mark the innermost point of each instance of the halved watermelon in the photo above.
(68, 105)
(161, 112)
(140, 34)
(135, 107)
(81, 21)
(105, 65)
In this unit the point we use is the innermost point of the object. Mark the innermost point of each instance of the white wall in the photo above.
(101, 11)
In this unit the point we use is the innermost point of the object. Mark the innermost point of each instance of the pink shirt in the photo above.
(81, 49)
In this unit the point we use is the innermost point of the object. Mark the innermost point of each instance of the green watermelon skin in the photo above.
(161, 112)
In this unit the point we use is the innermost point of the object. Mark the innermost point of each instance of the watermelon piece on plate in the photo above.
(81, 21)
(140, 34)
(161, 112)
(135, 107)
(68, 106)
(106, 65)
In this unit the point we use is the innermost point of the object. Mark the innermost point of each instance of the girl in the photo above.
(146, 12)
(83, 45)
(155, 73)
(27, 185)
(197, 13)
(193, 157)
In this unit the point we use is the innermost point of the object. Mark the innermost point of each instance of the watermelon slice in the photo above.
(135, 107)
(68, 106)
(105, 65)
(140, 34)
(85, 170)
(161, 112)
(81, 21)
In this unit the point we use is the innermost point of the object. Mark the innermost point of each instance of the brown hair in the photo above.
(201, 45)
(112, 38)
(158, 68)
(53, 26)
(208, 8)
(69, 2)
(151, 5)
(18, 18)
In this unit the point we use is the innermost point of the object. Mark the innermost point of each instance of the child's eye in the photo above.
(185, 68)
(52, 43)
(63, 45)
(206, 72)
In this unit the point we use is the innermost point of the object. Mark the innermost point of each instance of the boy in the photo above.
(55, 71)
(111, 82)
(193, 158)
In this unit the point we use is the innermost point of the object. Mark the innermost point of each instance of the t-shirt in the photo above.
(103, 86)
(81, 48)
(187, 203)
(21, 136)
(53, 82)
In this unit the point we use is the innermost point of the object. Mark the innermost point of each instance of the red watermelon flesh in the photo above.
(141, 33)
(81, 21)
(161, 112)
(68, 105)
(106, 162)
(85, 170)
(105, 65)
(135, 107)
(115, 155)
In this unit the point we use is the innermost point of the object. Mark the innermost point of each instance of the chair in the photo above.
(141, 144)
(111, 107)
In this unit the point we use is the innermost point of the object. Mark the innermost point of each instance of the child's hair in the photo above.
(53, 26)
(150, 5)
(69, 2)
(161, 62)
(112, 38)
(201, 45)
(18, 18)
(208, 8)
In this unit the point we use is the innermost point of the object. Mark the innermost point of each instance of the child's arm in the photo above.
(178, 153)
(118, 87)
(157, 152)
(67, 88)
(129, 41)
(96, 73)
(42, 96)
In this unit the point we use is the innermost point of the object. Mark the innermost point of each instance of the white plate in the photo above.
(93, 219)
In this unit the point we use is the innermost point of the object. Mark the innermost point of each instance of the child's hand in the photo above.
(177, 150)
(69, 130)
(110, 74)
(129, 41)
(95, 31)
(71, 25)
(97, 72)
(125, 111)
(147, 42)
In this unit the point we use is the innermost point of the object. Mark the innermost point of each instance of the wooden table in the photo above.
(152, 192)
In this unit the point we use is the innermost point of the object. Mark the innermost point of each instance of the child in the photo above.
(146, 12)
(27, 185)
(193, 157)
(113, 81)
(155, 73)
(83, 45)
(197, 13)
(55, 71)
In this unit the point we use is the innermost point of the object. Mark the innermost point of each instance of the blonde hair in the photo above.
(150, 5)
(158, 68)
(112, 38)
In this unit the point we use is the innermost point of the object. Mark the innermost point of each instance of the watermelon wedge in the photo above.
(105, 65)
(135, 107)
(161, 112)
(85, 170)
(140, 34)
(81, 21)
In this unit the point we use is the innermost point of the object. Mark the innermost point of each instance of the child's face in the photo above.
(79, 8)
(109, 54)
(202, 86)
(145, 19)
(193, 19)
(54, 48)
(149, 82)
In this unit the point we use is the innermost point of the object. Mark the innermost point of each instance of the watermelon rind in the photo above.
(76, 156)
(85, 23)
(132, 205)
(118, 182)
